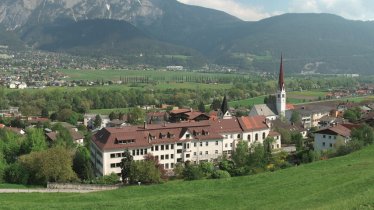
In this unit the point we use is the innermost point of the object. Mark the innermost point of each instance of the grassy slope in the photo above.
(340, 183)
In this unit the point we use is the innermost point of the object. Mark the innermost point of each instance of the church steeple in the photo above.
(281, 92)
(281, 75)
(224, 106)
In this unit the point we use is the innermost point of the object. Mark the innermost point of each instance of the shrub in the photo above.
(16, 173)
(192, 172)
(207, 168)
(112, 178)
(220, 174)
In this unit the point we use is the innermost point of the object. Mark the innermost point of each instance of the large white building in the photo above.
(177, 142)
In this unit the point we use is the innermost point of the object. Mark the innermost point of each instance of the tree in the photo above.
(298, 140)
(192, 172)
(126, 163)
(112, 116)
(35, 141)
(268, 149)
(201, 107)
(98, 121)
(52, 165)
(364, 134)
(216, 104)
(135, 116)
(145, 172)
(82, 164)
(295, 117)
(44, 112)
(2, 167)
(240, 154)
(256, 159)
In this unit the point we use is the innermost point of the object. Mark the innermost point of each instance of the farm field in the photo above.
(154, 75)
(339, 183)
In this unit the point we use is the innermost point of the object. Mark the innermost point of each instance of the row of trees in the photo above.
(31, 159)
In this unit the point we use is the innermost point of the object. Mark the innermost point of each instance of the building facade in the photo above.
(174, 143)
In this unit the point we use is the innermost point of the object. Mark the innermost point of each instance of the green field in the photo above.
(247, 102)
(156, 75)
(339, 183)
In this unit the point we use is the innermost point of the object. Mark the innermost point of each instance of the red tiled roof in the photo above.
(290, 107)
(180, 111)
(226, 125)
(250, 123)
(273, 133)
(194, 115)
(106, 138)
(339, 129)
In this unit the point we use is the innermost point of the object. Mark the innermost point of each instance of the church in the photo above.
(277, 108)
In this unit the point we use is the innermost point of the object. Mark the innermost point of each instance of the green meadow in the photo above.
(339, 183)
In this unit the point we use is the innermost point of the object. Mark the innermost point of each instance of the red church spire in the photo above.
(281, 75)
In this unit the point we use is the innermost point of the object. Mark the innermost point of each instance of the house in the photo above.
(173, 143)
(77, 137)
(310, 114)
(157, 117)
(327, 138)
(179, 115)
(89, 120)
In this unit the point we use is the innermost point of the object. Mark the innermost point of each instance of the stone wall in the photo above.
(73, 186)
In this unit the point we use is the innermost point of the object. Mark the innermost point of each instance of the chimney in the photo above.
(145, 125)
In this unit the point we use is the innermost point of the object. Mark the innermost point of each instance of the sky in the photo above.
(252, 10)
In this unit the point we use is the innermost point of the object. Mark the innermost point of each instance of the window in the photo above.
(279, 95)
(171, 156)
(137, 152)
(188, 136)
(179, 144)
(194, 153)
(226, 145)
(238, 136)
(324, 136)
(249, 138)
(166, 157)
(201, 153)
(206, 152)
(152, 148)
(156, 148)
(187, 155)
(263, 135)
(112, 155)
(179, 151)
(188, 145)
(162, 157)
(171, 165)
(230, 144)
(323, 143)
(331, 145)
(216, 142)
(172, 146)
(201, 144)
(206, 143)
(194, 144)
(167, 166)
(145, 151)
(256, 137)
(113, 165)
(162, 147)
(133, 153)
(216, 151)
(167, 147)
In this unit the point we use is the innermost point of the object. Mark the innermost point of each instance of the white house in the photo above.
(326, 139)
(176, 142)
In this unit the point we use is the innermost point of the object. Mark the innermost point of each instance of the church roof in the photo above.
(261, 109)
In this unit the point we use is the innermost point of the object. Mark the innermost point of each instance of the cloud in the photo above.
(351, 9)
(244, 12)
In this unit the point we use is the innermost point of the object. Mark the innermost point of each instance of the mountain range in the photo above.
(154, 31)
